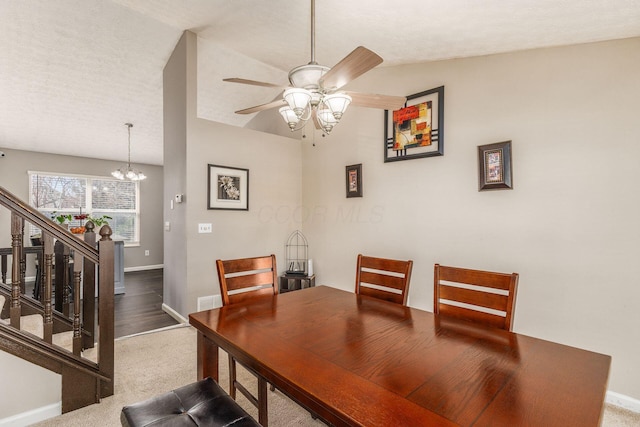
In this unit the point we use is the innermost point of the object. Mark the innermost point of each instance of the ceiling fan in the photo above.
(315, 89)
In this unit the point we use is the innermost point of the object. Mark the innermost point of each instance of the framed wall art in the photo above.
(228, 188)
(494, 166)
(417, 129)
(354, 180)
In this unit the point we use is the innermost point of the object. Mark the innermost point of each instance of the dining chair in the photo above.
(240, 281)
(382, 278)
(483, 297)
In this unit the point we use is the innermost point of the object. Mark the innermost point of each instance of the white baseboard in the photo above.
(144, 267)
(623, 401)
(33, 416)
(171, 312)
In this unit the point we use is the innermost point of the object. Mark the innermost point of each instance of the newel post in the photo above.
(89, 291)
(106, 309)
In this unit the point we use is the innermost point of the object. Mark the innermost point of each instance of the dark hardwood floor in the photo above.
(139, 309)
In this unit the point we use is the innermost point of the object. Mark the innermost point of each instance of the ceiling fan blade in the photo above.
(372, 100)
(253, 82)
(273, 104)
(353, 65)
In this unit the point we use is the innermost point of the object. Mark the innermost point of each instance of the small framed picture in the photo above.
(354, 180)
(228, 188)
(494, 166)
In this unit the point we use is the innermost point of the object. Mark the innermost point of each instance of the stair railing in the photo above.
(86, 255)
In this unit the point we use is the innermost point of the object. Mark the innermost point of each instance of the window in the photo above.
(92, 195)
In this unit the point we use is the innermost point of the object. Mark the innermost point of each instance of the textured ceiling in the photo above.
(72, 72)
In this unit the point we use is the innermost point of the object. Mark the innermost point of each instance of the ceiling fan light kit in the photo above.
(314, 89)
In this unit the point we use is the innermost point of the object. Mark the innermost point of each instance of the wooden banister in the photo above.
(14, 204)
(77, 315)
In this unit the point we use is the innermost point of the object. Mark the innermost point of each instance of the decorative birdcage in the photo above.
(297, 250)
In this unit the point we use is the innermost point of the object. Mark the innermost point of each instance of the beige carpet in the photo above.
(151, 364)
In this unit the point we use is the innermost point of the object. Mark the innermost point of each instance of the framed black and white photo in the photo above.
(228, 188)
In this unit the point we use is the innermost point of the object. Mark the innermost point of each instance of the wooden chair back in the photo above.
(480, 296)
(382, 278)
(245, 278)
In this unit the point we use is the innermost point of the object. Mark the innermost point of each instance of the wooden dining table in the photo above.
(358, 361)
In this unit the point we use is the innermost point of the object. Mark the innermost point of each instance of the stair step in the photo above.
(34, 324)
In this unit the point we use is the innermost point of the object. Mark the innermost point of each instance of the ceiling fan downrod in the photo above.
(313, 32)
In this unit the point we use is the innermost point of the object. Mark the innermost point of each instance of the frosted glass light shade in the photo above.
(326, 119)
(298, 99)
(337, 104)
(289, 116)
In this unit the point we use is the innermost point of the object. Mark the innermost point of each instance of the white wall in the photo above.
(274, 164)
(570, 226)
(22, 396)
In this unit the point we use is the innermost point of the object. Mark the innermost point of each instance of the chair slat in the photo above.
(249, 280)
(247, 264)
(382, 280)
(473, 315)
(383, 295)
(384, 264)
(470, 296)
(476, 277)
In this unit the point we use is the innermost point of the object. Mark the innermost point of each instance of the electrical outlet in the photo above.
(204, 228)
(146, 253)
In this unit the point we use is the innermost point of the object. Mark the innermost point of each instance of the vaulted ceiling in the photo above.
(72, 72)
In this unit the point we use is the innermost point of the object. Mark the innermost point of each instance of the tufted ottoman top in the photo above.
(203, 403)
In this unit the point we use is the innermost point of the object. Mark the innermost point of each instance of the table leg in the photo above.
(262, 402)
(207, 358)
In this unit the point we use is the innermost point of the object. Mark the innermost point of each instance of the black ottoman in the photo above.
(203, 403)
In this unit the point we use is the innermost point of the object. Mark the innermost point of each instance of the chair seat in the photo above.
(203, 403)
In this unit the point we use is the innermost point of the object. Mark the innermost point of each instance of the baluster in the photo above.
(15, 310)
(89, 292)
(23, 260)
(47, 242)
(77, 332)
(67, 280)
(59, 274)
(4, 268)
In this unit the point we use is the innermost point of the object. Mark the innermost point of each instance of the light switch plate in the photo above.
(204, 228)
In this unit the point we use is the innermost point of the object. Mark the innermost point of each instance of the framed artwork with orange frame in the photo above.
(417, 129)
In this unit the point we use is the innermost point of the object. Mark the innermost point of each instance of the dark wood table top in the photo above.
(354, 360)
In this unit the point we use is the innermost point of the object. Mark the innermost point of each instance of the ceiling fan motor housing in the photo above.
(307, 76)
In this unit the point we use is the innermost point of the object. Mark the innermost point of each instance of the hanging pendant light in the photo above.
(128, 172)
